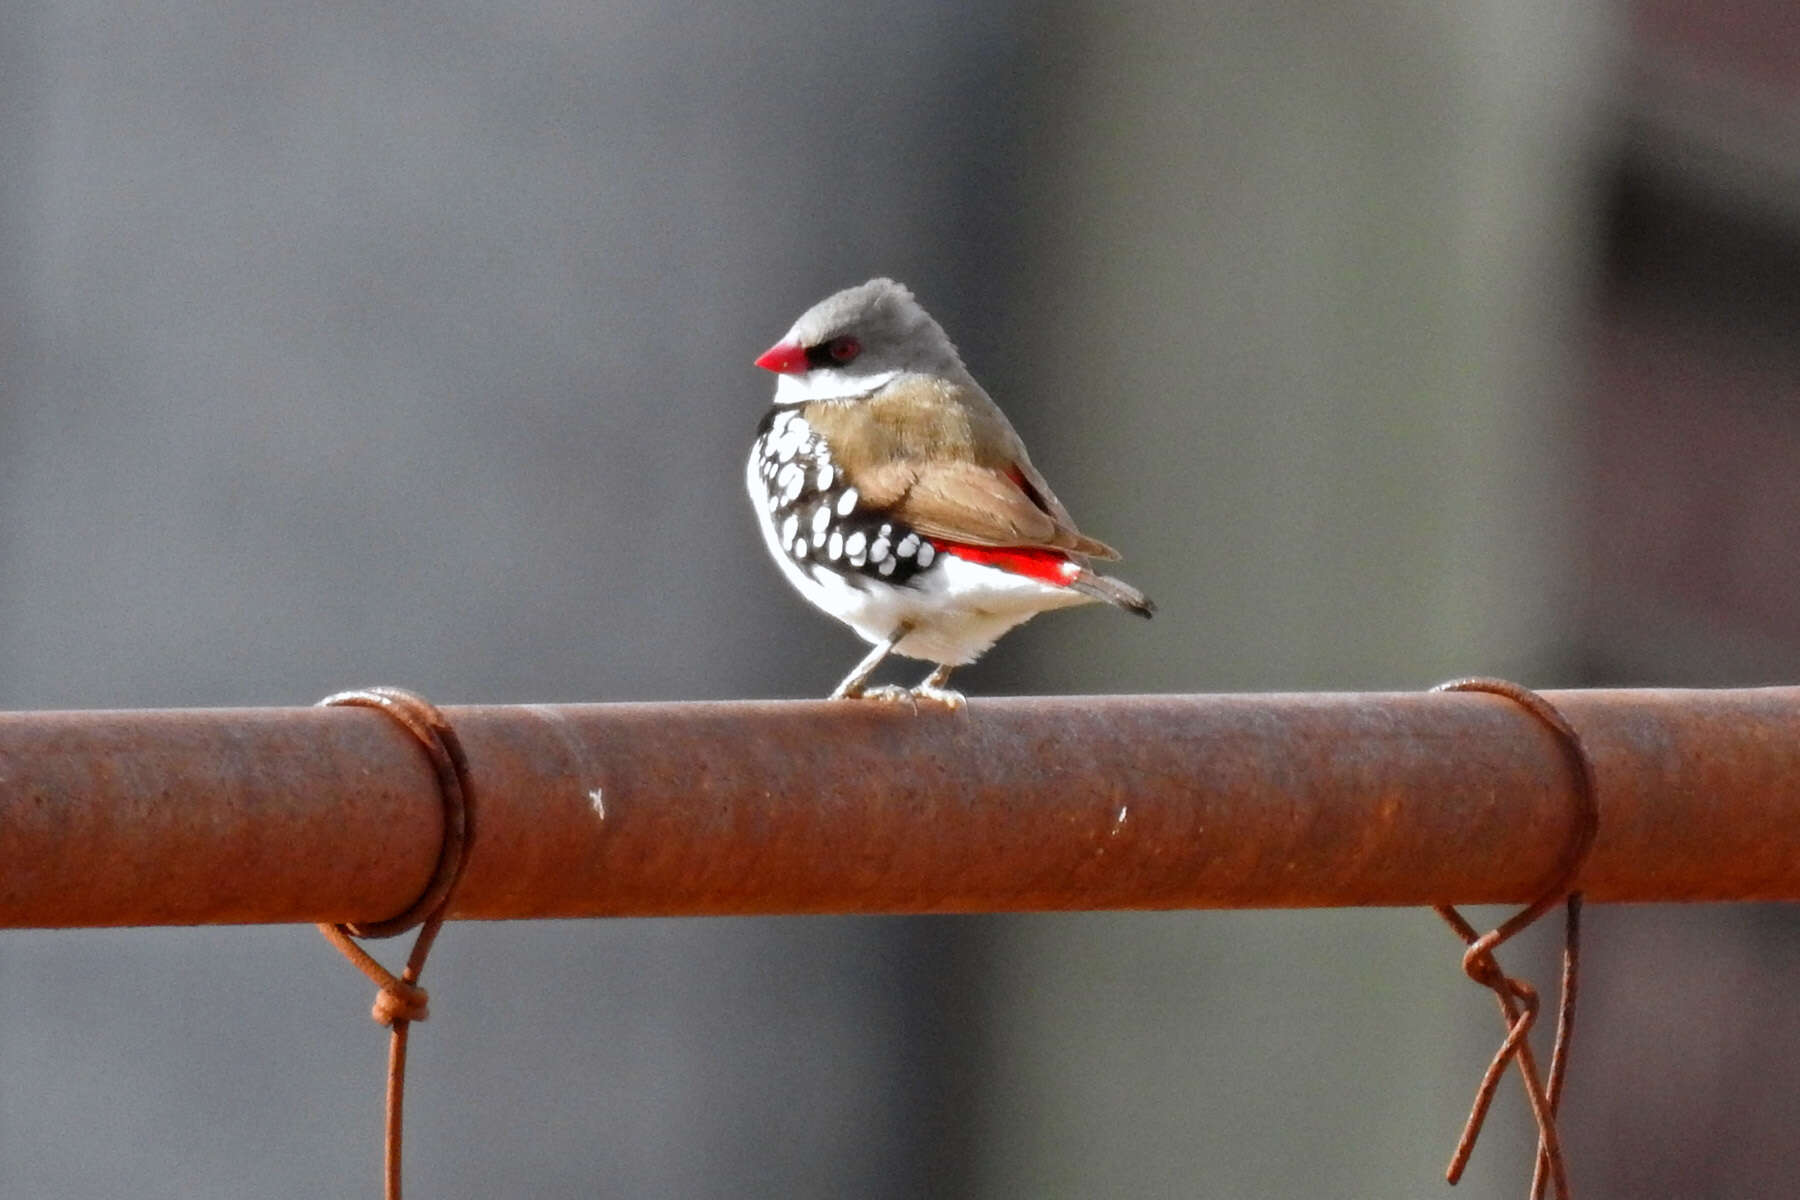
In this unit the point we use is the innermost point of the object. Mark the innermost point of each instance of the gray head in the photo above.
(856, 340)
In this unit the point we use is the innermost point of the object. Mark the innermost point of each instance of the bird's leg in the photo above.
(932, 688)
(852, 687)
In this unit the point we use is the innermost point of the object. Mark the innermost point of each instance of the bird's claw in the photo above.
(951, 700)
(887, 692)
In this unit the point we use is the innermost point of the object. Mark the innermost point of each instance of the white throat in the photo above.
(808, 386)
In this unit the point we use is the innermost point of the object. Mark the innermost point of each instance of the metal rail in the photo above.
(313, 814)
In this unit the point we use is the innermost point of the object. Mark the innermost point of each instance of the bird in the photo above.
(895, 495)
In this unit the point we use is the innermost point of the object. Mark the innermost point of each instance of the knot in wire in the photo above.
(1479, 964)
(400, 1001)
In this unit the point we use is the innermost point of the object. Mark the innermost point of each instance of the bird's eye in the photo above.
(838, 352)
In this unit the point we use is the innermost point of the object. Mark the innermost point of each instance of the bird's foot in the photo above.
(886, 692)
(947, 697)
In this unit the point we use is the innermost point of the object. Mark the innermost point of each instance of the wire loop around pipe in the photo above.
(399, 1000)
(1518, 1001)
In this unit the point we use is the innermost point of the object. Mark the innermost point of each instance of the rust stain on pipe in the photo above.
(215, 816)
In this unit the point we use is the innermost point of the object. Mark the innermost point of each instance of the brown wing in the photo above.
(942, 458)
(963, 502)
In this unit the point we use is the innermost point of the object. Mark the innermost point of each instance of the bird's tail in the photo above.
(1114, 591)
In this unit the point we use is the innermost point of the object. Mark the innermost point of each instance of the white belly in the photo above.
(955, 609)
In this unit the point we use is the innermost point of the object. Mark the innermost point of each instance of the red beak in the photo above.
(784, 358)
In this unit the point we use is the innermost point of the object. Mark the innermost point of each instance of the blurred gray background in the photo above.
(410, 343)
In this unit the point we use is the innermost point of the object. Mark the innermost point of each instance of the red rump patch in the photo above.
(1051, 566)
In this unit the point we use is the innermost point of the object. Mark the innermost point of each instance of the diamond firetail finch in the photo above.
(895, 495)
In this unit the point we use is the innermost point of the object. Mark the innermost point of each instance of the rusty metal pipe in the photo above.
(277, 815)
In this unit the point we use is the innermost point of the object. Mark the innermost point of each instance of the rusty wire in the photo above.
(1518, 1001)
(399, 1000)
(1565, 1030)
